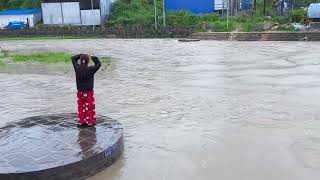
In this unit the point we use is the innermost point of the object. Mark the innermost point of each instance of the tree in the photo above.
(17, 4)
(3, 4)
(14, 4)
(31, 4)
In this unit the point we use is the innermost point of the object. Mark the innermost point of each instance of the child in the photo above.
(85, 81)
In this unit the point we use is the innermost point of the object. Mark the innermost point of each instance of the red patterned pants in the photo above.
(86, 107)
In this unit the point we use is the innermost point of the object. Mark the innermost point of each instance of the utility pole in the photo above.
(264, 6)
(92, 11)
(282, 7)
(155, 14)
(228, 13)
(164, 13)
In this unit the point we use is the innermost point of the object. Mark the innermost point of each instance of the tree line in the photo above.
(19, 4)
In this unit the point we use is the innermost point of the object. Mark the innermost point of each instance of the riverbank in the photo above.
(220, 36)
(258, 36)
(74, 32)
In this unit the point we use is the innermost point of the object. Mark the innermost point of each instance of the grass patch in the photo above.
(221, 26)
(3, 54)
(50, 57)
(105, 60)
(44, 57)
(251, 27)
(44, 38)
(286, 27)
(2, 64)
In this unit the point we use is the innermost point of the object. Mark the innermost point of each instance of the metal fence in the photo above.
(267, 7)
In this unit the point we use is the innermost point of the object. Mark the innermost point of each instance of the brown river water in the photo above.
(191, 111)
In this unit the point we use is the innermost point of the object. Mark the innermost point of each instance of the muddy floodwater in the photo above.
(191, 111)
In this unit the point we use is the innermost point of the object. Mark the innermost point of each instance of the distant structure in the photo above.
(208, 6)
(314, 11)
(75, 12)
(29, 16)
(196, 6)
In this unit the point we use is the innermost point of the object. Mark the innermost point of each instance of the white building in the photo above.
(75, 12)
(29, 16)
(220, 5)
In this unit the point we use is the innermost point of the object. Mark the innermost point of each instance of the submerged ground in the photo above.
(202, 110)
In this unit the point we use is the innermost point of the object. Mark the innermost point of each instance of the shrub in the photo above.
(132, 13)
(252, 27)
(182, 18)
(212, 17)
(297, 15)
(280, 19)
(286, 27)
(221, 26)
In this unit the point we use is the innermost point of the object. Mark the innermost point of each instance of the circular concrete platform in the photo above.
(53, 147)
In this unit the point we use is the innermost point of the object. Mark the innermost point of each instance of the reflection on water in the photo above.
(203, 110)
(87, 140)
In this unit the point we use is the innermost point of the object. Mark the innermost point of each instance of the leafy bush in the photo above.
(186, 18)
(242, 18)
(260, 18)
(212, 17)
(252, 27)
(280, 19)
(286, 27)
(141, 13)
(221, 26)
(182, 18)
(16, 4)
(297, 15)
(133, 13)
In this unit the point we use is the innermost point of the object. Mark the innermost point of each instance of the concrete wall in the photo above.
(258, 36)
(101, 32)
(33, 19)
(52, 13)
(90, 17)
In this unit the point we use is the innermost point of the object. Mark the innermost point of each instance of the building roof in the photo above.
(20, 11)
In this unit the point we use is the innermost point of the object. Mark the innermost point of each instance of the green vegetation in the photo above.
(3, 54)
(45, 57)
(141, 13)
(297, 15)
(2, 64)
(105, 60)
(47, 37)
(133, 13)
(17, 4)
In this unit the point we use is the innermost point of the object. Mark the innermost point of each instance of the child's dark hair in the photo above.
(84, 61)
